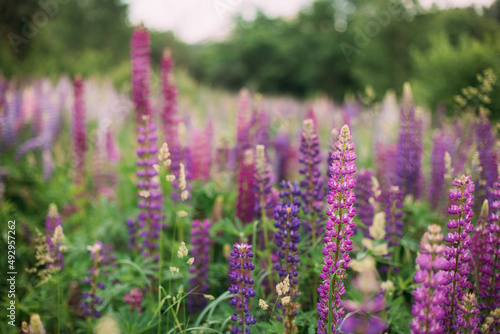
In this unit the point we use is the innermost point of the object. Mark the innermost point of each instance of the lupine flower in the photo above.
(90, 300)
(140, 50)
(10, 122)
(312, 183)
(491, 322)
(428, 296)
(200, 251)
(365, 316)
(364, 197)
(134, 299)
(262, 184)
(436, 185)
(287, 237)
(281, 146)
(458, 252)
(79, 129)
(132, 229)
(487, 155)
(489, 272)
(386, 165)
(409, 149)
(339, 229)
(149, 192)
(245, 205)
(169, 90)
(240, 276)
(470, 312)
(201, 155)
(393, 214)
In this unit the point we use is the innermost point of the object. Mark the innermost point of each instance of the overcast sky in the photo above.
(198, 20)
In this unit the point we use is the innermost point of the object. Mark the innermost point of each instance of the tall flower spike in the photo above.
(487, 155)
(427, 295)
(240, 276)
(149, 191)
(470, 313)
(287, 237)
(393, 214)
(365, 194)
(262, 184)
(458, 253)
(489, 277)
(201, 155)
(52, 222)
(79, 130)
(436, 185)
(312, 183)
(169, 90)
(140, 50)
(480, 250)
(90, 300)
(134, 299)
(339, 229)
(409, 149)
(200, 251)
(245, 205)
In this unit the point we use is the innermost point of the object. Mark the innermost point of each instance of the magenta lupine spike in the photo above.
(169, 90)
(111, 148)
(201, 154)
(149, 191)
(240, 276)
(489, 276)
(339, 229)
(287, 237)
(312, 182)
(487, 156)
(79, 129)
(428, 297)
(458, 252)
(436, 184)
(140, 57)
(52, 221)
(200, 251)
(245, 205)
(134, 299)
(364, 197)
(409, 149)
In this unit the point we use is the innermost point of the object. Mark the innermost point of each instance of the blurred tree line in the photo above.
(331, 47)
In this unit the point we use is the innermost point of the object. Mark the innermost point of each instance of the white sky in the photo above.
(198, 20)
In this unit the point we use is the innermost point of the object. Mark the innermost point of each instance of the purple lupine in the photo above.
(242, 125)
(339, 229)
(90, 300)
(436, 185)
(240, 276)
(364, 195)
(409, 148)
(458, 255)
(393, 214)
(470, 313)
(489, 277)
(287, 237)
(281, 146)
(200, 251)
(10, 122)
(79, 129)
(386, 165)
(134, 299)
(169, 90)
(264, 201)
(132, 229)
(140, 57)
(52, 221)
(262, 126)
(245, 205)
(201, 155)
(487, 155)
(312, 183)
(149, 191)
(428, 297)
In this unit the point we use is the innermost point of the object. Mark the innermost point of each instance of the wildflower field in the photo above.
(152, 212)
